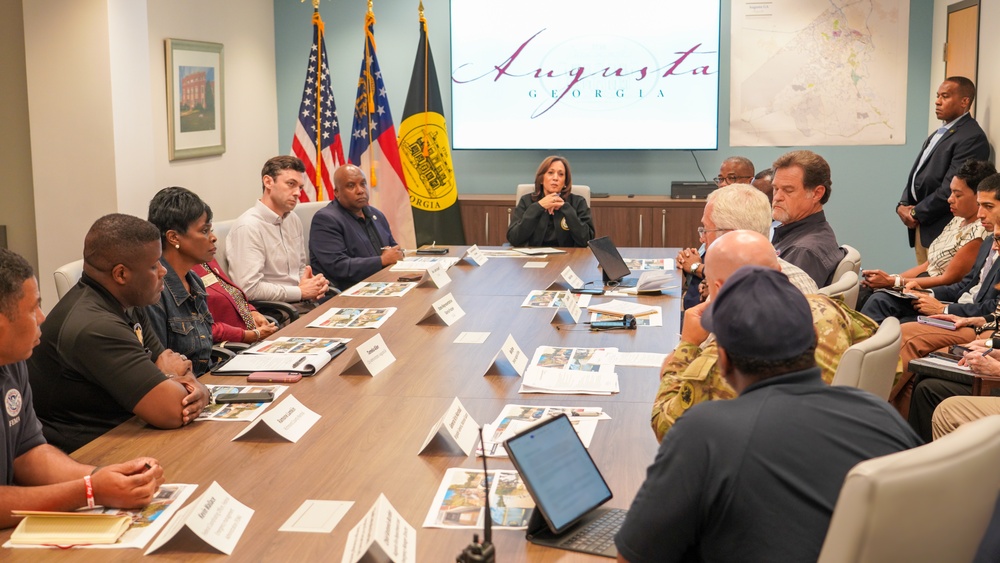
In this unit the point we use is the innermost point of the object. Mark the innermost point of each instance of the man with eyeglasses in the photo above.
(734, 170)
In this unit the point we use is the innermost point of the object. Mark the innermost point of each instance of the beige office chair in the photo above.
(846, 287)
(871, 364)
(67, 276)
(305, 211)
(523, 189)
(221, 230)
(928, 504)
(851, 262)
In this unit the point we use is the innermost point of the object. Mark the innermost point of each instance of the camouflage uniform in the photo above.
(690, 374)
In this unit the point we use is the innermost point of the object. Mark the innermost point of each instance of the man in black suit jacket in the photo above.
(923, 208)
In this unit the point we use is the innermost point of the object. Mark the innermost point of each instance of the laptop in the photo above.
(613, 267)
(567, 488)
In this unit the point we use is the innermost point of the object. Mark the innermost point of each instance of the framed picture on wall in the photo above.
(195, 108)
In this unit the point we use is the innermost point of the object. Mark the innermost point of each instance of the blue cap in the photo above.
(759, 314)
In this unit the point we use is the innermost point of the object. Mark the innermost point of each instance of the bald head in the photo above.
(351, 188)
(734, 250)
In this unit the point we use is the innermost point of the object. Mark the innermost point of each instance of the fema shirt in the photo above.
(21, 429)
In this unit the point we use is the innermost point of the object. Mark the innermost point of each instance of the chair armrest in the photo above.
(282, 312)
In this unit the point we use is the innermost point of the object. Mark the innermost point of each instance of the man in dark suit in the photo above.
(349, 239)
(923, 207)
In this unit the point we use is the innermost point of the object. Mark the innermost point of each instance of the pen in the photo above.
(148, 466)
(988, 350)
(298, 361)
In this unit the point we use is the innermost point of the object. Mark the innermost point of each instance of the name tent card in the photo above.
(446, 309)
(215, 517)
(457, 427)
(382, 535)
(513, 355)
(571, 278)
(369, 358)
(573, 310)
(436, 276)
(289, 419)
(474, 255)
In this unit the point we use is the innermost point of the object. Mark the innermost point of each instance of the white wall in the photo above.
(97, 111)
(231, 182)
(988, 104)
(67, 56)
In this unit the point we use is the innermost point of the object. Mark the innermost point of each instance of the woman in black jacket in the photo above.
(552, 215)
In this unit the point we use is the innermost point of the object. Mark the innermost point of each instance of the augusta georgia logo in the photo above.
(429, 177)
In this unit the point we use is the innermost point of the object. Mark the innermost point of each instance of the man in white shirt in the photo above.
(266, 247)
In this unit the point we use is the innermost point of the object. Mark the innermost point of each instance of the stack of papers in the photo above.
(379, 289)
(352, 317)
(514, 419)
(303, 355)
(541, 250)
(564, 370)
(653, 281)
(420, 263)
(621, 308)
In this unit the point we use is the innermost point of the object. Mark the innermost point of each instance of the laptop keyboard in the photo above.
(598, 535)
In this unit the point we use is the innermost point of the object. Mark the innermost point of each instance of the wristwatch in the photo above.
(913, 212)
(694, 267)
(991, 342)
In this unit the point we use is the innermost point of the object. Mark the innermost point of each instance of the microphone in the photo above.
(484, 552)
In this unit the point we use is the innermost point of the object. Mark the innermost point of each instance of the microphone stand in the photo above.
(484, 552)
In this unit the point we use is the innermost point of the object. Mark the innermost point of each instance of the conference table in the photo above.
(367, 440)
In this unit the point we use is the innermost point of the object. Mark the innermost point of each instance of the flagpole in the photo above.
(318, 182)
(369, 87)
(425, 149)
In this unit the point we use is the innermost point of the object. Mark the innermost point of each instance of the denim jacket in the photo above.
(181, 319)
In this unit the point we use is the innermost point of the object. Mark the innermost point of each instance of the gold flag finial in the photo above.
(315, 3)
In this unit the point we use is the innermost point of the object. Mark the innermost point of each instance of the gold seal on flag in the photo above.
(430, 178)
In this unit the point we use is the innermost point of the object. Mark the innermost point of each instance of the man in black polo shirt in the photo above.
(99, 361)
(33, 474)
(756, 478)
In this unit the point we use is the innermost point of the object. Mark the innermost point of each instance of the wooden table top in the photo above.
(371, 427)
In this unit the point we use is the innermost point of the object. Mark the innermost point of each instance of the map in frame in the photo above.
(818, 72)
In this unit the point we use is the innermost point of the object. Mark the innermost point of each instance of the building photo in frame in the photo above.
(195, 108)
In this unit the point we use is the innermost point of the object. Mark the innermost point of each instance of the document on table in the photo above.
(637, 359)
(654, 319)
(317, 516)
(238, 412)
(515, 418)
(622, 308)
(419, 263)
(472, 338)
(569, 382)
(459, 501)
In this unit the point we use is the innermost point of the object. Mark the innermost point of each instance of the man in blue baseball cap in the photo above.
(756, 478)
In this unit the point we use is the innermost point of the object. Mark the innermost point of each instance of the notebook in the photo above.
(567, 488)
(613, 266)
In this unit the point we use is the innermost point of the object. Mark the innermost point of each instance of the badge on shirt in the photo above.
(138, 333)
(686, 394)
(12, 403)
(563, 224)
(209, 279)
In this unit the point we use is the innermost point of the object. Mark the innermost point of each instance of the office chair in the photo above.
(871, 364)
(851, 262)
(67, 276)
(928, 504)
(845, 287)
(305, 211)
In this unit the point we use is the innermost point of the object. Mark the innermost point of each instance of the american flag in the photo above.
(318, 107)
(374, 148)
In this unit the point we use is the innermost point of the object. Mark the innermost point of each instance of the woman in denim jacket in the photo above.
(181, 317)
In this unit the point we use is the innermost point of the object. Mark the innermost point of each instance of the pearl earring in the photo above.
(177, 246)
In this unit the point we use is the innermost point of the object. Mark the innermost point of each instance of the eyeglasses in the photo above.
(732, 179)
(703, 230)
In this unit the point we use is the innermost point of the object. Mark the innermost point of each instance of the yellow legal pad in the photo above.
(68, 528)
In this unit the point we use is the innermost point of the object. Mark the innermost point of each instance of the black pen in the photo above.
(298, 361)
